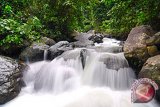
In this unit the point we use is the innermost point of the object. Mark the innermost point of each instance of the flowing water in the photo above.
(94, 77)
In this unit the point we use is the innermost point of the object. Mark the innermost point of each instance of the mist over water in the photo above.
(95, 77)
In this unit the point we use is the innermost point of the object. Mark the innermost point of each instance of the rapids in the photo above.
(98, 76)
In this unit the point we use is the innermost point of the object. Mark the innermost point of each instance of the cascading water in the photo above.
(95, 77)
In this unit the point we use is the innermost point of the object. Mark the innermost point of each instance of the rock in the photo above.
(10, 79)
(58, 49)
(80, 44)
(33, 53)
(153, 40)
(83, 56)
(98, 38)
(139, 46)
(74, 33)
(152, 50)
(151, 69)
(91, 32)
(158, 95)
(83, 40)
(47, 41)
(83, 36)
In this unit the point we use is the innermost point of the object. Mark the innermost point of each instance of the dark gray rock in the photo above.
(10, 79)
(33, 53)
(98, 38)
(158, 95)
(59, 48)
(83, 56)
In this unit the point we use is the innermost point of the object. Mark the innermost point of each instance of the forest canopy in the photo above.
(30, 19)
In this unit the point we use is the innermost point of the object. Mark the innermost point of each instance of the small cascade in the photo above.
(45, 54)
(98, 76)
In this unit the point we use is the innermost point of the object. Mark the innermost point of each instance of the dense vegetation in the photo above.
(28, 20)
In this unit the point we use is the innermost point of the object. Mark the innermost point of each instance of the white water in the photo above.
(105, 80)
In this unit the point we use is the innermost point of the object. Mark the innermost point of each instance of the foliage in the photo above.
(119, 16)
(14, 33)
(29, 19)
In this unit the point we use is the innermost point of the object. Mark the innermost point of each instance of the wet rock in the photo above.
(139, 46)
(83, 36)
(158, 95)
(151, 69)
(153, 40)
(83, 56)
(152, 50)
(83, 40)
(47, 41)
(80, 44)
(33, 53)
(10, 79)
(98, 38)
(59, 48)
(91, 32)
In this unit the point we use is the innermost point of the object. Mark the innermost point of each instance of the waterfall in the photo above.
(98, 76)
(45, 54)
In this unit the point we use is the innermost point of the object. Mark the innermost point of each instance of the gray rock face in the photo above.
(140, 45)
(98, 38)
(158, 95)
(34, 53)
(83, 40)
(48, 41)
(83, 56)
(80, 44)
(10, 79)
(59, 48)
(151, 69)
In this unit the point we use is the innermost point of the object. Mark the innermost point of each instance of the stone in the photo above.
(91, 32)
(83, 56)
(158, 95)
(152, 50)
(98, 38)
(136, 49)
(58, 49)
(151, 69)
(34, 53)
(83, 40)
(153, 40)
(47, 41)
(10, 79)
(80, 44)
(83, 36)
(74, 33)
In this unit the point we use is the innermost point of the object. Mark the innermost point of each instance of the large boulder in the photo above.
(140, 45)
(33, 53)
(97, 38)
(10, 79)
(83, 40)
(151, 69)
(80, 44)
(47, 41)
(58, 49)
